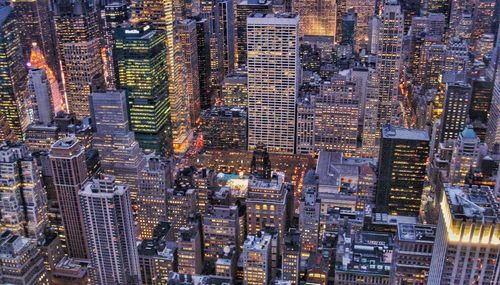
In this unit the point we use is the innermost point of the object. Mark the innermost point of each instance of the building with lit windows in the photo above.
(456, 109)
(41, 110)
(221, 228)
(364, 10)
(110, 231)
(235, 90)
(317, 18)
(154, 180)
(21, 261)
(140, 67)
(273, 77)
(256, 258)
(13, 93)
(243, 9)
(465, 157)
(290, 262)
(402, 167)
(467, 243)
(79, 47)
(189, 251)
(181, 204)
(389, 53)
(336, 112)
(309, 213)
(24, 200)
(225, 128)
(67, 160)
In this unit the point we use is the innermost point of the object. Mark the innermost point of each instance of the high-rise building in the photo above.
(225, 128)
(221, 228)
(309, 211)
(110, 231)
(336, 112)
(291, 257)
(204, 60)
(189, 42)
(371, 132)
(467, 243)
(79, 47)
(119, 152)
(243, 9)
(225, 19)
(412, 253)
(154, 180)
(40, 97)
(141, 70)
(235, 90)
(273, 63)
(457, 55)
(114, 15)
(317, 18)
(21, 260)
(256, 258)
(456, 109)
(13, 93)
(189, 251)
(181, 204)
(493, 132)
(36, 28)
(67, 160)
(401, 170)
(364, 10)
(465, 155)
(24, 201)
(389, 60)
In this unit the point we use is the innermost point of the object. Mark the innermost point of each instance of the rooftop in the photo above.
(416, 232)
(391, 132)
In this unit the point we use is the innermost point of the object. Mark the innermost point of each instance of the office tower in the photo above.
(79, 47)
(467, 238)
(243, 10)
(438, 6)
(484, 45)
(465, 155)
(309, 211)
(256, 258)
(141, 70)
(410, 9)
(456, 109)
(317, 18)
(181, 204)
(432, 69)
(267, 205)
(21, 261)
(119, 152)
(189, 42)
(291, 257)
(348, 29)
(110, 231)
(24, 201)
(305, 126)
(389, 60)
(6, 134)
(364, 10)
(40, 97)
(38, 61)
(483, 17)
(225, 128)
(336, 112)
(260, 167)
(480, 103)
(157, 256)
(67, 160)
(457, 55)
(189, 256)
(13, 93)
(221, 228)
(36, 28)
(273, 63)
(154, 180)
(401, 170)
(225, 18)
(115, 14)
(493, 131)
(373, 34)
(412, 253)
(371, 132)
(235, 90)
(204, 60)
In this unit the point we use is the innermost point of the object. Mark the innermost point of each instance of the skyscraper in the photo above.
(273, 63)
(256, 258)
(13, 93)
(221, 228)
(67, 160)
(40, 97)
(225, 18)
(467, 243)
(24, 201)
(493, 132)
(119, 152)
(401, 170)
(110, 231)
(456, 109)
(389, 59)
(189, 251)
(140, 67)
(465, 155)
(309, 211)
(317, 18)
(243, 9)
(79, 46)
